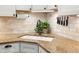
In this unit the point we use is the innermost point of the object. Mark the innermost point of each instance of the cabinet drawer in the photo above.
(29, 47)
(9, 47)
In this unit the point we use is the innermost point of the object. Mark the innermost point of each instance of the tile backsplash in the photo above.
(25, 25)
(71, 31)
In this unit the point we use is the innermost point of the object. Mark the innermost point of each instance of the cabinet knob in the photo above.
(15, 15)
(44, 8)
(8, 46)
(30, 8)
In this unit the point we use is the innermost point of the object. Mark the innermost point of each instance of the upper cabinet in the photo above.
(12, 10)
(35, 8)
(68, 9)
(39, 7)
(23, 7)
(52, 7)
(43, 8)
(7, 10)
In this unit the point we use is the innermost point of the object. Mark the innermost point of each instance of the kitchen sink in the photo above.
(37, 38)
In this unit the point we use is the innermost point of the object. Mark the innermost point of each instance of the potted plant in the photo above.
(45, 27)
(39, 28)
(42, 27)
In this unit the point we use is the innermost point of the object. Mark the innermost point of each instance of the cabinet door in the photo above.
(41, 50)
(51, 7)
(23, 7)
(68, 9)
(29, 48)
(7, 10)
(39, 7)
(9, 48)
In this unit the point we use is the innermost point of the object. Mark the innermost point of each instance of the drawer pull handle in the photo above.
(8, 46)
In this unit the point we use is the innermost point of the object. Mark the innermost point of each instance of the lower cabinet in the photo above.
(9, 48)
(29, 47)
(21, 47)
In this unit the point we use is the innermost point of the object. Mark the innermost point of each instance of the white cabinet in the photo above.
(9, 48)
(68, 9)
(43, 8)
(29, 47)
(23, 7)
(51, 7)
(39, 7)
(21, 47)
(7, 10)
(36, 8)
(41, 50)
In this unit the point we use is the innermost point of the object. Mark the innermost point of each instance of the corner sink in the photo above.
(37, 38)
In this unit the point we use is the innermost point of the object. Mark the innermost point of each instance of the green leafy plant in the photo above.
(40, 26)
(45, 25)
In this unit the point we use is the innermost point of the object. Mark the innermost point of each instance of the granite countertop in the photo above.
(60, 44)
